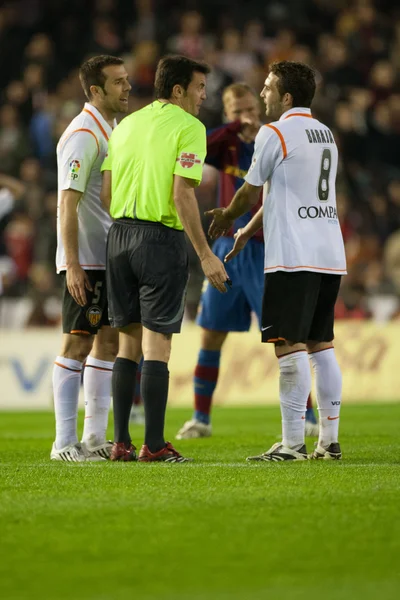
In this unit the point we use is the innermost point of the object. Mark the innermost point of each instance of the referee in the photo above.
(154, 162)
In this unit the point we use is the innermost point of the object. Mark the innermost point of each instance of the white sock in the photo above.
(294, 387)
(66, 384)
(97, 390)
(329, 394)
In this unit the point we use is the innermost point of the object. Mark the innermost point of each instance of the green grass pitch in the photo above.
(217, 529)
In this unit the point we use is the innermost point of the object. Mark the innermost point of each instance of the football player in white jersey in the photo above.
(82, 229)
(295, 160)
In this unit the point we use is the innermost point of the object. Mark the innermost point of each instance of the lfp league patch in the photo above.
(74, 168)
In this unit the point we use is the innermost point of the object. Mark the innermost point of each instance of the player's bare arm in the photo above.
(105, 194)
(243, 235)
(188, 211)
(77, 280)
(223, 218)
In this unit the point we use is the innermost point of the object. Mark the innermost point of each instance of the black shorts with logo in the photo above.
(147, 275)
(90, 318)
(299, 306)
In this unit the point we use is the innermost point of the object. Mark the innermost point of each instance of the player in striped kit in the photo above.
(82, 229)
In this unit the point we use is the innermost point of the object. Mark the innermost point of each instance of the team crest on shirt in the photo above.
(93, 315)
(74, 168)
(187, 160)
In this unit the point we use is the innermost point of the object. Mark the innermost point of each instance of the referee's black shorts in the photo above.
(147, 274)
(299, 306)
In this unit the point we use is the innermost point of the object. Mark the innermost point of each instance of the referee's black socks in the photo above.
(154, 390)
(123, 390)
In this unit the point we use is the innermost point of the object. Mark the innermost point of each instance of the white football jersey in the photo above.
(80, 154)
(296, 159)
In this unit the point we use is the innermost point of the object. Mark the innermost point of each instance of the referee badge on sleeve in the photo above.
(188, 159)
(74, 168)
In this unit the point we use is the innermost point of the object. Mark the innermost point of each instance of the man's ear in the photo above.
(177, 91)
(95, 91)
(288, 100)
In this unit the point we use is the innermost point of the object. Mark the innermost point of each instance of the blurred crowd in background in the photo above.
(354, 45)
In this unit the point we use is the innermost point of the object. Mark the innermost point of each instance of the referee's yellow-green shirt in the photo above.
(145, 151)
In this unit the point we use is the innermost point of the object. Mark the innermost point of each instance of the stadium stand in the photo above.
(354, 45)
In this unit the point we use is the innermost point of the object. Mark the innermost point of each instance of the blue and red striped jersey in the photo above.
(232, 157)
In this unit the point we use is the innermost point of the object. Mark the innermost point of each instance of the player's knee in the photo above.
(110, 350)
(77, 347)
(213, 340)
(157, 347)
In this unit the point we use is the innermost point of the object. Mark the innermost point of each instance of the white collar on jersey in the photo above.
(297, 110)
(98, 117)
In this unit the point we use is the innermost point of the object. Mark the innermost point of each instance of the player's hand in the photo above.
(77, 284)
(250, 128)
(220, 225)
(241, 240)
(215, 272)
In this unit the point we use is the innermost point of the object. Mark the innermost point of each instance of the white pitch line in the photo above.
(244, 464)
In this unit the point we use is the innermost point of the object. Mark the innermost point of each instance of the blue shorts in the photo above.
(232, 311)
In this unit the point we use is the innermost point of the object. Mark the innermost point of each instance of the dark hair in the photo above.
(91, 71)
(297, 79)
(176, 70)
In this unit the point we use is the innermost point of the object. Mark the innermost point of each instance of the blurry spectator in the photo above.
(46, 232)
(16, 94)
(14, 143)
(41, 126)
(217, 80)
(254, 39)
(145, 25)
(351, 303)
(46, 307)
(190, 41)
(234, 59)
(105, 38)
(282, 47)
(382, 80)
(340, 75)
(392, 259)
(32, 176)
(19, 238)
(143, 68)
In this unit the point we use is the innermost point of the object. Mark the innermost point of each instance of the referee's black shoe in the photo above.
(279, 453)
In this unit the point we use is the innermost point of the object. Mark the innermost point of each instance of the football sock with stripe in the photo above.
(294, 388)
(329, 393)
(310, 413)
(123, 385)
(205, 382)
(97, 390)
(66, 385)
(155, 382)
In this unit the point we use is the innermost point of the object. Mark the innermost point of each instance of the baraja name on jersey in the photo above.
(320, 136)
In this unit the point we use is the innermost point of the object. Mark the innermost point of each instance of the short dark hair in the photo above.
(91, 71)
(297, 79)
(176, 70)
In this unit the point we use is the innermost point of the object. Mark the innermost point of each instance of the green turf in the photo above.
(219, 528)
